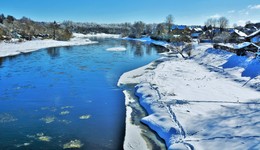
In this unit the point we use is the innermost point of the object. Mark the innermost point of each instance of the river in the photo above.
(60, 97)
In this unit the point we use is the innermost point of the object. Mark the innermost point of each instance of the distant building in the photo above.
(254, 37)
(246, 46)
(237, 36)
(179, 27)
(196, 32)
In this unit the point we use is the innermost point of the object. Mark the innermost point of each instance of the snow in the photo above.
(118, 49)
(103, 35)
(238, 46)
(148, 40)
(242, 45)
(240, 33)
(133, 138)
(254, 34)
(207, 102)
(10, 49)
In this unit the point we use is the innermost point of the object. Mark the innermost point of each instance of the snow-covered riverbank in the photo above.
(208, 101)
(11, 49)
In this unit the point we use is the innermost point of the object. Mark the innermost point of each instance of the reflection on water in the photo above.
(1, 61)
(56, 98)
(54, 52)
(124, 43)
(138, 50)
(148, 49)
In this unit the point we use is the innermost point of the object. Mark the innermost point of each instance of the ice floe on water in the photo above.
(40, 137)
(67, 107)
(65, 121)
(116, 49)
(48, 119)
(64, 112)
(5, 118)
(22, 145)
(73, 144)
(53, 109)
(84, 117)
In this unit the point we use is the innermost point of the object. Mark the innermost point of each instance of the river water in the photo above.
(58, 98)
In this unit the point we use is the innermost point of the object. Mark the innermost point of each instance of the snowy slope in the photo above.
(207, 102)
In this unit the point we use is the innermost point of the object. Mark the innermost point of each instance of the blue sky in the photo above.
(116, 11)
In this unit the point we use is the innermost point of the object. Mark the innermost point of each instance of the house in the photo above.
(216, 31)
(250, 28)
(254, 37)
(179, 27)
(196, 32)
(237, 36)
(246, 46)
(239, 49)
(195, 35)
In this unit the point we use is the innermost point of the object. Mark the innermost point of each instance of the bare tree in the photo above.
(214, 22)
(10, 19)
(138, 28)
(208, 22)
(149, 29)
(248, 22)
(169, 22)
(2, 17)
(54, 26)
(211, 22)
(160, 28)
(223, 23)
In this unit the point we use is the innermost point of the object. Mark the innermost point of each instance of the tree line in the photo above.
(27, 29)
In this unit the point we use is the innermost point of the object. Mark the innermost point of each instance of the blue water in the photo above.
(78, 80)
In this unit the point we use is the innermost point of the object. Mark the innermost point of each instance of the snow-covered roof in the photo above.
(240, 33)
(255, 33)
(238, 46)
(231, 30)
(195, 34)
(180, 27)
(245, 44)
(255, 27)
(216, 30)
(197, 29)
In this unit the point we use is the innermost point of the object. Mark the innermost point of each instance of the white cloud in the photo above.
(215, 16)
(254, 6)
(241, 22)
(231, 11)
(244, 12)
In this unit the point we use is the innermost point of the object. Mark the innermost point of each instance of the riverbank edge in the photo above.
(134, 138)
(138, 135)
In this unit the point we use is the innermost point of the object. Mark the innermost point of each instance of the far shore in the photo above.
(12, 49)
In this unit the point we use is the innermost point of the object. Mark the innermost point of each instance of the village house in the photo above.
(246, 46)
(196, 32)
(254, 37)
(180, 29)
(237, 36)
